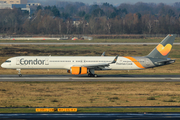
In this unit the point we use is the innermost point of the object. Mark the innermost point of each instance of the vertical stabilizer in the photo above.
(162, 49)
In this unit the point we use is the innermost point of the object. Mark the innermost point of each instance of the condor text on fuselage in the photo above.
(32, 62)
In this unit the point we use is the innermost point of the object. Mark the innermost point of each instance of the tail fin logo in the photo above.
(164, 50)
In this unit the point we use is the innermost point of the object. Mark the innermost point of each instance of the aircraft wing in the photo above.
(99, 65)
(96, 65)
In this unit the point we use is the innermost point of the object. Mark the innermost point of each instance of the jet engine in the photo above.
(78, 70)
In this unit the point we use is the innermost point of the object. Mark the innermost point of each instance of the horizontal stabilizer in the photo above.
(165, 62)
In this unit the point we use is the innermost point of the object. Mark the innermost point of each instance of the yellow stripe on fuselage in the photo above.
(135, 62)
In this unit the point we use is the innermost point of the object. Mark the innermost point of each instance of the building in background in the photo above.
(22, 4)
(9, 4)
(14, 1)
(33, 4)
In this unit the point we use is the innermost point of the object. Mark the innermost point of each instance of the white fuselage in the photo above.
(66, 62)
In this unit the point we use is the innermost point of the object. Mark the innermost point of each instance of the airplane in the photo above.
(78, 65)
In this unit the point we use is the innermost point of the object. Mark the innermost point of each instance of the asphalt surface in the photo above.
(103, 78)
(83, 43)
(93, 116)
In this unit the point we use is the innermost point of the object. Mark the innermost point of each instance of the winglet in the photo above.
(103, 54)
(114, 61)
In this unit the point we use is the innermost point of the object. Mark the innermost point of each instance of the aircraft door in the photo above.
(17, 61)
(148, 62)
(47, 61)
(82, 61)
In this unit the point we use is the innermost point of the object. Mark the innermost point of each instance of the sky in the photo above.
(124, 1)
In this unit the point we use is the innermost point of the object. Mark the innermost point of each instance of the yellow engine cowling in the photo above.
(78, 70)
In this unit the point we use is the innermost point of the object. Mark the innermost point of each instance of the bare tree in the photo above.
(109, 24)
(68, 26)
(92, 25)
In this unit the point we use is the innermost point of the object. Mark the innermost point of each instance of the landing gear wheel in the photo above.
(92, 75)
(95, 75)
(20, 75)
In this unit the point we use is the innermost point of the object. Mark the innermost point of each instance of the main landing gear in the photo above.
(91, 73)
(19, 72)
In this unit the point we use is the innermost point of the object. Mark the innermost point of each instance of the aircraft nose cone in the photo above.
(2, 65)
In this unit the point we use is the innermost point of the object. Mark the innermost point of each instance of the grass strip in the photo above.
(94, 110)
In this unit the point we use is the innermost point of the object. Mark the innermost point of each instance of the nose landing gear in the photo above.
(19, 72)
(20, 75)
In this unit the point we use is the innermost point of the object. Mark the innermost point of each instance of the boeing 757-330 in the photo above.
(78, 65)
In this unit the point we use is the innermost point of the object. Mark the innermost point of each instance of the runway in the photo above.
(83, 43)
(100, 78)
(93, 116)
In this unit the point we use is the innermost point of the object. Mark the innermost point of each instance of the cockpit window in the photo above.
(8, 61)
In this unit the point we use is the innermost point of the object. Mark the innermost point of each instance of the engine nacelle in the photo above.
(78, 70)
